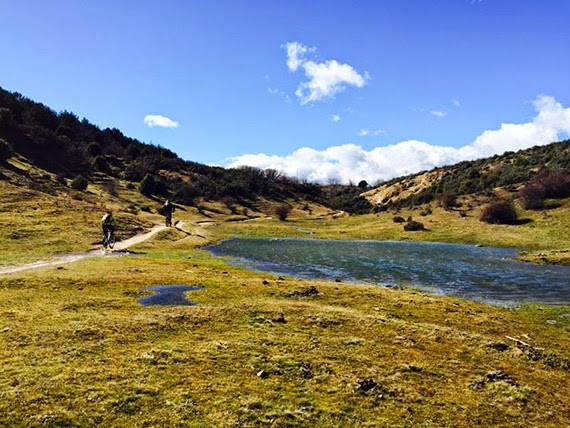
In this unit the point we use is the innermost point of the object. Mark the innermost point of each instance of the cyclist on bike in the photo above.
(168, 209)
(108, 224)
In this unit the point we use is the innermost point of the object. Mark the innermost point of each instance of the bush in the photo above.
(112, 187)
(101, 164)
(282, 211)
(448, 200)
(94, 149)
(413, 225)
(79, 183)
(399, 219)
(6, 118)
(230, 203)
(499, 212)
(553, 185)
(544, 186)
(148, 185)
(60, 178)
(6, 150)
(532, 197)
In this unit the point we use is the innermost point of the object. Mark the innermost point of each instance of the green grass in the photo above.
(77, 349)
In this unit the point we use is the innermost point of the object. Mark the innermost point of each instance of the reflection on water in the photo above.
(169, 295)
(480, 273)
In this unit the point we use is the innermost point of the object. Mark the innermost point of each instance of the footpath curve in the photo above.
(70, 258)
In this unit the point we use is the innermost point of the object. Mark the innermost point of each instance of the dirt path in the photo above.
(120, 246)
(123, 245)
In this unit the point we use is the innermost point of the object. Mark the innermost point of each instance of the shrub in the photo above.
(553, 185)
(532, 197)
(230, 203)
(135, 172)
(499, 212)
(413, 225)
(148, 185)
(399, 219)
(448, 200)
(6, 118)
(543, 186)
(6, 150)
(101, 164)
(60, 178)
(79, 183)
(132, 151)
(185, 193)
(94, 149)
(112, 187)
(282, 211)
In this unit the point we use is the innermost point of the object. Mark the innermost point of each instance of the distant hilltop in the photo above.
(79, 151)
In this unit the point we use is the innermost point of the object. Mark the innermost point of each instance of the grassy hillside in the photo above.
(78, 350)
(74, 149)
(508, 171)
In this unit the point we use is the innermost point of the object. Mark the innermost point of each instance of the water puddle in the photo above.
(169, 295)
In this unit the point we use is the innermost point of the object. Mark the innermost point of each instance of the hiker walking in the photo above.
(168, 209)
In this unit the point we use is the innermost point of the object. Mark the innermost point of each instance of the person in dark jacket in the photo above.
(108, 223)
(168, 209)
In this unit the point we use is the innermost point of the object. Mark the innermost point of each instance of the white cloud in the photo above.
(351, 162)
(152, 120)
(551, 121)
(455, 102)
(364, 132)
(336, 118)
(296, 54)
(324, 79)
(438, 113)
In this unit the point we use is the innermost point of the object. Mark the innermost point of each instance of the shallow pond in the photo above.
(169, 295)
(479, 273)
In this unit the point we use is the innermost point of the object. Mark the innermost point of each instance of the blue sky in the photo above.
(323, 90)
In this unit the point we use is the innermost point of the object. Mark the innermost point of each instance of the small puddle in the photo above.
(169, 295)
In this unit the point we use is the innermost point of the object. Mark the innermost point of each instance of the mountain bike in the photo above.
(109, 239)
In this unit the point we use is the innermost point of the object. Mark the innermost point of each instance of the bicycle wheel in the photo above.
(111, 240)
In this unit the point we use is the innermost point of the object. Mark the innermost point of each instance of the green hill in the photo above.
(509, 171)
(74, 149)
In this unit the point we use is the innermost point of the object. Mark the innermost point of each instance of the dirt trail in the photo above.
(120, 246)
(123, 245)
